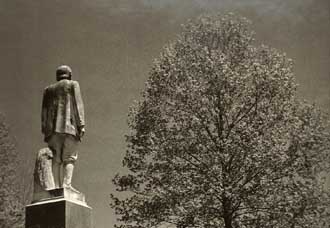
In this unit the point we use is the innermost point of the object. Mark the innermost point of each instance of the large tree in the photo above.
(11, 206)
(220, 138)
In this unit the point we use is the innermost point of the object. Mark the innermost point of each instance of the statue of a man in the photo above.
(63, 124)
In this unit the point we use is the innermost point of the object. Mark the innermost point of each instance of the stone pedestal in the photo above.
(62, 208)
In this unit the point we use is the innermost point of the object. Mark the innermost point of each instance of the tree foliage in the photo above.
(11, 207)
(220, 138)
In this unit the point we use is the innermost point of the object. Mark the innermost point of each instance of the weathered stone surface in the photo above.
(43, 175)
(58, 213)
(63, 124)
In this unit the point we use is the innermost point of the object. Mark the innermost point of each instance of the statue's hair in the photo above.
(63, 72)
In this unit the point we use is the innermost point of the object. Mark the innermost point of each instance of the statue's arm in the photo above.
(44, 111)
(79, 105)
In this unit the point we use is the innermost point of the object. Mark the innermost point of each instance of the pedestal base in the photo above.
(58, 213)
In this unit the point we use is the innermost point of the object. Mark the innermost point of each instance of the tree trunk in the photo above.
(227, 213)
(228, 221)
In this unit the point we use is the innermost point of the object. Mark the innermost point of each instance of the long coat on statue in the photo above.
(62, 109)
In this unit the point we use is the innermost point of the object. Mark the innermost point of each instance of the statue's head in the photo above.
(63, 72)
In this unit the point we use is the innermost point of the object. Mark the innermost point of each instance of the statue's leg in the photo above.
(69, 156)
(57, 174)
(55, 144)
(61, 178)
(68, 172)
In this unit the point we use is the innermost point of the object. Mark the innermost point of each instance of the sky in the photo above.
(111, 45)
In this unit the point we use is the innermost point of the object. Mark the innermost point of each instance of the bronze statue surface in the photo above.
(63, 126)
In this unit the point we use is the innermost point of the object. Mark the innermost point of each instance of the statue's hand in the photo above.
(81, 132)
